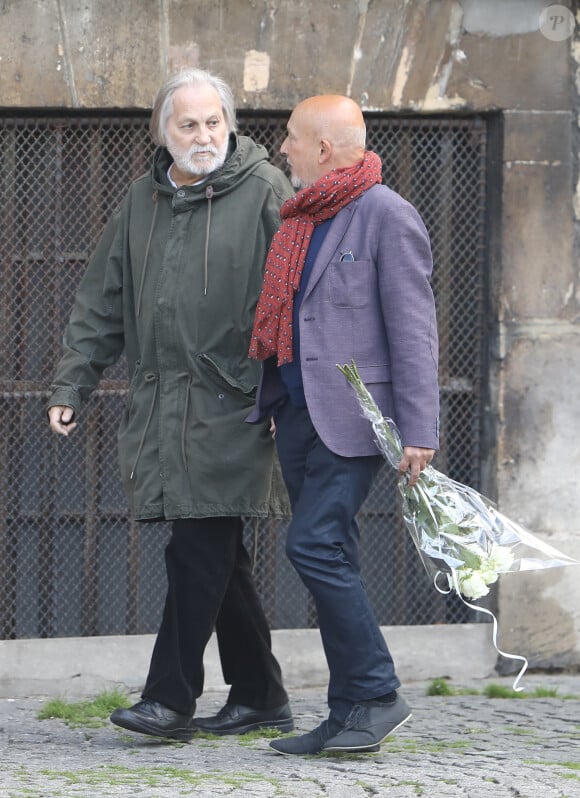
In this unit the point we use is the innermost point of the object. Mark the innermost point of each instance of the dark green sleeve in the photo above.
(93, 338)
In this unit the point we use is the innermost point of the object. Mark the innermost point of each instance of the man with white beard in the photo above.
(174, 282)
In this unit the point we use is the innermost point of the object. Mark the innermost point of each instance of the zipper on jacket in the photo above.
(209, 195)
(147, 248)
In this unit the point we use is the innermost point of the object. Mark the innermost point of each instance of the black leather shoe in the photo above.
(237, 719)
(150, 717)
(367, 724)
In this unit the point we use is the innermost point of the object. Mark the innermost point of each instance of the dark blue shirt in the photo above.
(291, 373)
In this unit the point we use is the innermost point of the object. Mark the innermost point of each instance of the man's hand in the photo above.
(61, 419)
(415, 460)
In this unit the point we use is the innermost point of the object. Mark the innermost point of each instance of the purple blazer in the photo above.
(378, 309)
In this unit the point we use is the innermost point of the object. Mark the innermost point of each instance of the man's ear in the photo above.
(325, 151)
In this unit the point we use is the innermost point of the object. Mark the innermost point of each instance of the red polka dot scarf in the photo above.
(272, 333)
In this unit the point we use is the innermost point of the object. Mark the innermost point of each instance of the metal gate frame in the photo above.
(51, 222)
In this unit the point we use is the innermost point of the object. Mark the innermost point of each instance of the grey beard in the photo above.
(297, 183)
(183, 160)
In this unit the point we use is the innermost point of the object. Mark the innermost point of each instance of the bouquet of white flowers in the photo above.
(458, 533)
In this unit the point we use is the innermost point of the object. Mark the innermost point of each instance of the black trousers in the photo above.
(210, 584)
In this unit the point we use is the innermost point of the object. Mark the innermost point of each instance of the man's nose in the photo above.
(283, 148)
(204, 135)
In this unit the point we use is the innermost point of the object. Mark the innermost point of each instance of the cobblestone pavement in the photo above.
(460, 745)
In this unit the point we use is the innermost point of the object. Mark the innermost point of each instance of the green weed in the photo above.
(418, 788)
(410, 745)
(441, 687)
(546, 692)
(156, 777)
(84, 713)
(499, 691)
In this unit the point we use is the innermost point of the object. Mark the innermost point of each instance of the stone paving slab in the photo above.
(463, 745)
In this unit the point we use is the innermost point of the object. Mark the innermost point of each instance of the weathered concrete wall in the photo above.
(538, 357)
(396, 55)
(420, 55)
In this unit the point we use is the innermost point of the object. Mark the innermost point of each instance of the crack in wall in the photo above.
(363, 6)
(412, 24)
(66, 56)
(436, 93)
(163, 37)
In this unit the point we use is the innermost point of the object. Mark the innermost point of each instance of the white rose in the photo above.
(488, 574)
(472, 585)
(501, 558)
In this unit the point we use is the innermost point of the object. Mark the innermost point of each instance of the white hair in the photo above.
(187, 77)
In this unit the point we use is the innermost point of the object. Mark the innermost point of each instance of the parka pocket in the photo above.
(244, 384)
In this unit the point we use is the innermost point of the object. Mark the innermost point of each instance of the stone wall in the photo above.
(420, 56)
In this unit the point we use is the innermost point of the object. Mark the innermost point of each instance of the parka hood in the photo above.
(244, 157)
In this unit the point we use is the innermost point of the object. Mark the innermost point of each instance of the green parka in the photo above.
(174, 282)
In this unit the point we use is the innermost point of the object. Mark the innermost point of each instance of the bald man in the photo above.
(347, 276)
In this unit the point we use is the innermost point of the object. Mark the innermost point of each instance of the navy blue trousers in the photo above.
(326, 491)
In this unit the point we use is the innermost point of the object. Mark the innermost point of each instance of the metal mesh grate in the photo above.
(71, 561)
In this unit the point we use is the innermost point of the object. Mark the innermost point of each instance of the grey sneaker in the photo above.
(313, 742)
(368, 724)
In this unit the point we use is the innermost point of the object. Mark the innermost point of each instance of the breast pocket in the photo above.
(350, 283)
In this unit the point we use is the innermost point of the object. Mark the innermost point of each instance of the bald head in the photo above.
(330, 115)
(325, 132)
